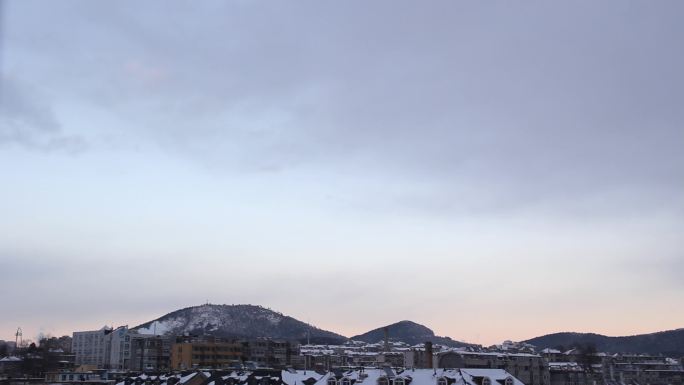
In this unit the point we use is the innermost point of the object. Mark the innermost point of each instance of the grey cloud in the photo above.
(27, 120)
(526, 101)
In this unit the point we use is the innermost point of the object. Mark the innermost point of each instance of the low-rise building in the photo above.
(569, 373)
(642, 369)
(75, 377)
(10, 365)
(269, 353)
(206, 352)
(531, 369)
(150, 353)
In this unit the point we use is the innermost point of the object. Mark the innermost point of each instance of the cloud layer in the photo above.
(478, 151)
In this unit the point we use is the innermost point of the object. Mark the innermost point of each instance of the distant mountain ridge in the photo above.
(670, 342)
(237, 321)
(251, 321)
(409, 332)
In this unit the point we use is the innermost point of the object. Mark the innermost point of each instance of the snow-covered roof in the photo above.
(502, 354)
(10, 359)
(493, 374)
(565, 366)
(316, 352)
(187, 378)
(422, 376)
(292, 377)
(180, 378)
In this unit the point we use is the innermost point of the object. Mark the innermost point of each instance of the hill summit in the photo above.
(236, 321)
(409, 332)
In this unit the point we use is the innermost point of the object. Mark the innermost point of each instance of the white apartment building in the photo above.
(106, 348)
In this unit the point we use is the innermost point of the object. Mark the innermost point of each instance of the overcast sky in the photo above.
(493, 170)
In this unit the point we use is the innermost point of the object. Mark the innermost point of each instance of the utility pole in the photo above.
(18, 338)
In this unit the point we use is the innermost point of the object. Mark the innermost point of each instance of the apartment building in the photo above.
(92, 347)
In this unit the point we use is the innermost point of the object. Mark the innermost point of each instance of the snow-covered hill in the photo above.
(240, 321)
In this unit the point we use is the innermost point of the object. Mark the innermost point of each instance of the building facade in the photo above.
(269, 353)
(150, 353)
(208, 352)
(92, 347)
(531, 369)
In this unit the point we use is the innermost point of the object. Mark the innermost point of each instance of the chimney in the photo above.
(428, 355)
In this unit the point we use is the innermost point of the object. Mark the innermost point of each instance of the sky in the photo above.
(493, 170)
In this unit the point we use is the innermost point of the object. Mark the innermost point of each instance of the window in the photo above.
(442, 381)
(383, 381)
(399, 381)
(332, 381)
(486, 381)
(346, 381)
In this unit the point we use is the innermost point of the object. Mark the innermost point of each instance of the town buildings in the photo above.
(121, 350)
